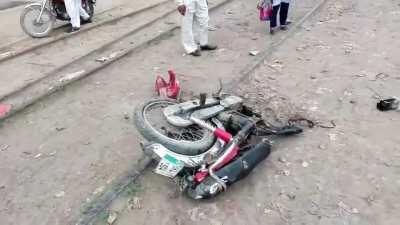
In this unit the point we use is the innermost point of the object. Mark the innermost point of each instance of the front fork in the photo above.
(44, 2)
(231, 149)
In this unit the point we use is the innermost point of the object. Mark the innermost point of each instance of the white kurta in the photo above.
(194, 24)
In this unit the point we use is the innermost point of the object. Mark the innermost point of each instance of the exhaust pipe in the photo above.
(232, 172)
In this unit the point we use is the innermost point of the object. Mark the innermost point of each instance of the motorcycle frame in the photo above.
(42, 6)
(177, 114)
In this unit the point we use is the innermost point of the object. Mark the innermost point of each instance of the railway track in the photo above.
(14, 49)
(45, 57)
(79, 56)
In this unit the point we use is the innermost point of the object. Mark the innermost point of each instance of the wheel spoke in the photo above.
(154, 116)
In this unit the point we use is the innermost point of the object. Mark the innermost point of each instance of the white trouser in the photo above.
(195, 25)
(278, 2)
(75, 11)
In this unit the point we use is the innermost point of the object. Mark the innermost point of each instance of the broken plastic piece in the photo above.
(4, 109)
(170, 89)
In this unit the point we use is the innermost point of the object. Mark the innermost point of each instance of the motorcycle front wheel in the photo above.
(34, 27)
(151, 123)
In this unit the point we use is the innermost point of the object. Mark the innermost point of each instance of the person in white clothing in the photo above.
(75, 12)
(194, 26)
(281, 6)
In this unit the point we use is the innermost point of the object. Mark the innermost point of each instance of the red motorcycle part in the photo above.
(170, 89)
(4, 109)
(232, 146)
(200, 176)
(223, 135)
(233, 151)
(219, 133)
(232, 172)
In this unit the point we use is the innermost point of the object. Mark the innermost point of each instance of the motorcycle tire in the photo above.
(29, 24)
(150, 133)
(89, 8)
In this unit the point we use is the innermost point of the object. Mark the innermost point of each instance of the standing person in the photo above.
(75, 12)
(194, 26)
(281, 6)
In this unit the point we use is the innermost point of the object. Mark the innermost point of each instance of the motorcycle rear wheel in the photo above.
(192, 140)
(88, 6)
(33, 28)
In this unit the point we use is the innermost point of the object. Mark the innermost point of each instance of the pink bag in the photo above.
(265, 13)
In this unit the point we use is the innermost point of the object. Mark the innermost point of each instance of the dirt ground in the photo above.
(10, 11)
(53, 57)
(333, 70)
(68, 148)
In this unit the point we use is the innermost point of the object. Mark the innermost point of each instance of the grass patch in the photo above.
(102, 218)
(131, 190)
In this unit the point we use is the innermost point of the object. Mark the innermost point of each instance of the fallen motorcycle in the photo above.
(205, 144)
(37, 19)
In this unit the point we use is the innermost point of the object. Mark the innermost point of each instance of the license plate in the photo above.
(169, 166)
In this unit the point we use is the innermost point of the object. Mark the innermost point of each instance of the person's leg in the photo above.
(201, 22)
(283, 14)
(72, 12)
(82, 11)
(196, 30)
(187, 29)
(274, 18)
(77, 13)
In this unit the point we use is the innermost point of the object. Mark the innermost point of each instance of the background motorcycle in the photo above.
(37, 19)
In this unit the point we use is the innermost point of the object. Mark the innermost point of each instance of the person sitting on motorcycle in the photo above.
(75, 12)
